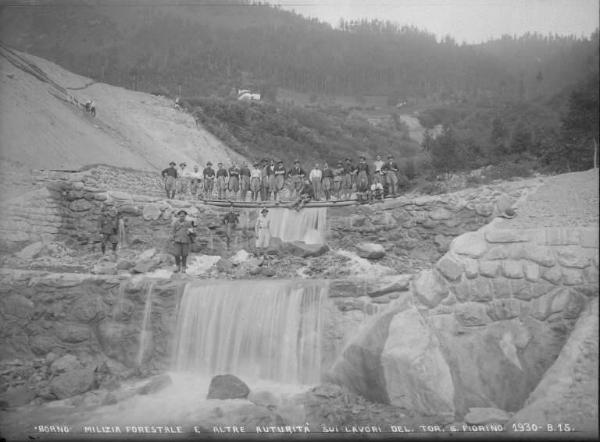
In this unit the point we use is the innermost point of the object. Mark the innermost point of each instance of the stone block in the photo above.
(512, 269)
(462, 290)
(562, 236)
(541, 255)
(506, 235)
(471, 314)
(80, 205)
(31, 251)
(591, 275)
(440, 214)
(501, 288)
(588, 237)
(560, 299)
(471, 244)
(496, 253)
(72, 333)
(72, 383)
(482, 290)
(552, 275)
(389, 284)
(521, 289)
(450, 267)
(18, 306)
(540, 307)
(574, 306)
(540, 288)
(430, 288)
(572, 257)
(471, 268)
(502, 309)
(531, 271)
(341, 288)
(489, 269)
(151, 212)
(572, 277)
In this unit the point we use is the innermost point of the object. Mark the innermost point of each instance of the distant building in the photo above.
(248, 95)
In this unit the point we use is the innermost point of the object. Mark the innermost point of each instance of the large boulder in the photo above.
(16, 396)
(72, 383)
(31, 251)
(370, 250)
(299, 248)
(227, 386)
(64, 364)
(416, 374)
(146, 265)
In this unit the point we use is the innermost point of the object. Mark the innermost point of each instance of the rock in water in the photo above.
(72, 383)
(156, 384)
(31, 251)
(227, 386)
(370, 250)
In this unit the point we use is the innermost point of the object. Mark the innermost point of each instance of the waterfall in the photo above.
(308, 225)
(146, 330)
(118, 308)
(253, 329)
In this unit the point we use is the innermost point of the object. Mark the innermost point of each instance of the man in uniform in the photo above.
(377, 173)
(221, 181)
(209, 180)
(234, 181)
(182, 236)
(181, 181)
(362, 176)
(327, 181)
(262, 232)
(169, 176)
(255, 176)
(108, 224)
(338, 177)
(270, 170)
(391, 175)
(348, 171)
(230, 220)
(297, 176)
(195, 177)
(244, 180)
(280, 173)
(315, 176)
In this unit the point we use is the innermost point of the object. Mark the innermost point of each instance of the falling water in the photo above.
(146, 330)
(254, 329)
(118, 308)
(307, 225)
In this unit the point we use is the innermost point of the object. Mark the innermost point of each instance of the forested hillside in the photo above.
(209, 48)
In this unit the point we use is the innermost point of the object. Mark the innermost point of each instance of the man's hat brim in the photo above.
(182, 211)
(172, 163)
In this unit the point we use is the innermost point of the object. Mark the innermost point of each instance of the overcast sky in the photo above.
(471, 21)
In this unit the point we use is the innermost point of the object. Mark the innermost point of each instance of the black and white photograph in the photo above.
(299, 220)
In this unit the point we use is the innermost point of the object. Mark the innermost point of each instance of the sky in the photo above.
(470, 21)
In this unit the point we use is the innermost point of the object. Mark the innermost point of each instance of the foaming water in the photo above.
(146, 330)
(308, 225)
(252, 329)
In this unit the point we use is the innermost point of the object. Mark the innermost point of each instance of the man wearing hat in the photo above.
(390, 169)
(222, 177)
(209, 180)
(255, 176)
(362, 176)
(327, 181)
(195, 181)
(262, 232)
(348, 172)
(182, 236)
(244, 180)
(280, 174)
(297, 176)
(234, 180)
(315, 176)
(169, 176)
(182, 182)
(338, 176)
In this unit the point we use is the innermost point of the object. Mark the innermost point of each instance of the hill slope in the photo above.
(41, 125)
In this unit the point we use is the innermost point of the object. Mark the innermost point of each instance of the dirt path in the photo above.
(567, 200)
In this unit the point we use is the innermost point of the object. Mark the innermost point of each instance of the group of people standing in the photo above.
(265, 180)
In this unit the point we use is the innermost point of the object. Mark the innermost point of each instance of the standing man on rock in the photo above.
(262, 232)
(348, 170)
(182, 236)
(108, 224)
(327, 181)
(182, 183)
(169, 176)
(209, 180)
(255, 177)
(338, 177)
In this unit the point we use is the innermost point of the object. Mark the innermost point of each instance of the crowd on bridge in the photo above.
(268, 179)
